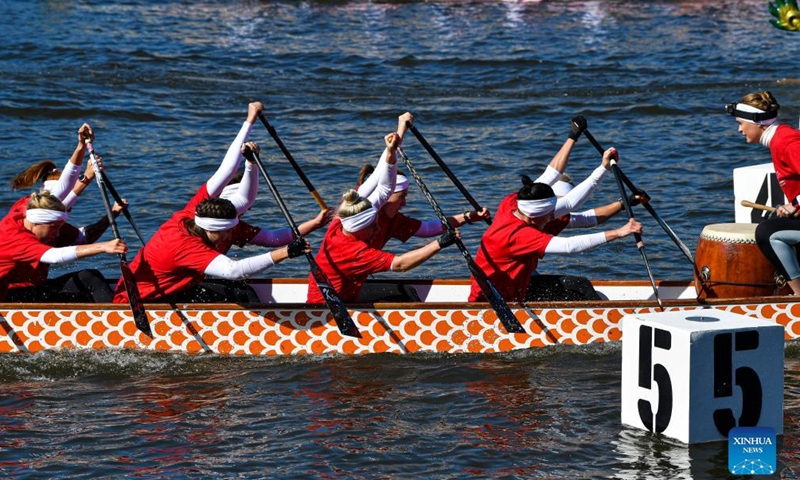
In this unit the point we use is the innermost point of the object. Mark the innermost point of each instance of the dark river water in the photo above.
(493, 86)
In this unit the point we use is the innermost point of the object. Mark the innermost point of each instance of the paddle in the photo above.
(636, 191)
(117, 198)
(447, 171)
(128, 280)
(499, 305)
(332, 299)
(638, 237)
(288, 155)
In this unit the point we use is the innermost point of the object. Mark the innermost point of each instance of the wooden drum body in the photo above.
(731, 265)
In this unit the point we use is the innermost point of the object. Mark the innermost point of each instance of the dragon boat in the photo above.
(283, 325)
(730, 274)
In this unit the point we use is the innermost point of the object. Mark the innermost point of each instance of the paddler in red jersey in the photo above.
(512, 246)
(192, 244)
(347, 255)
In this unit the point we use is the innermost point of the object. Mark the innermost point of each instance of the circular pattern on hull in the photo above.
(281, 331)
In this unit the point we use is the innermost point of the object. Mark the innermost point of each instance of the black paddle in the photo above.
(116, 197)
(332, 299)
(636, 191)
(499, 305)
(447, 171)
(288, 155)
(134, 298)
(629, 210)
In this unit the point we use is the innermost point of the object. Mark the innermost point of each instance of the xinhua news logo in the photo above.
(752, 451)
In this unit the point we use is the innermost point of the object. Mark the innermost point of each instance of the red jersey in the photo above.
(510, 251)
(347, 261)
(785, 149)
(241, 235)
(400, 227)
(556, 226)
(20, 250)
(173, 260)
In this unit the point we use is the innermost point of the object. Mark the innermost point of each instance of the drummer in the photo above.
(757, 115)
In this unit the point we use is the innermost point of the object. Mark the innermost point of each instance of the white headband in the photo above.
(43, 215)
(49, 185)
(745, 108)
(402, 183)
(360, 221)
(215, 224)
(537, 208)
(561, 188)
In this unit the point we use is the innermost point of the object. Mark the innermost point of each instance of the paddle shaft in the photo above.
(128, 280)
(677, 241)
(447, 170)
(335, 304)
(499, 305)
(118, 199)
(98, 172)
(274, 134)
(636, 236)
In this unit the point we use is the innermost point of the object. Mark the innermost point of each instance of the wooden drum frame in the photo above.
(730, 264)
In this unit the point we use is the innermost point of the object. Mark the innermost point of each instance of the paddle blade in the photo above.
(501, 308)
(335, 304)
(135, 300)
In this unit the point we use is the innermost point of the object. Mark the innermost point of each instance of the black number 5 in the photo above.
(648, 340)
(746, 378)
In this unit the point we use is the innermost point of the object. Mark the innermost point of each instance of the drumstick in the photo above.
(757, 206)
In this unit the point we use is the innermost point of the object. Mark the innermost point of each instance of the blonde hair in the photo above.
(353, 204)
(45, 200)
(761, 100)
(44, 170)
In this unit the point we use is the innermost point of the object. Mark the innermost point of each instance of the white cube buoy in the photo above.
(694, 375)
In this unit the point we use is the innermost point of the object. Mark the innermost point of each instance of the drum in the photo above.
(731, 265)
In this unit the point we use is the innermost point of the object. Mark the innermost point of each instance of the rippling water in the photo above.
(493, 86)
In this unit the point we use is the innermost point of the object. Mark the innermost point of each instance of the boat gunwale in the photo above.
(566, 305)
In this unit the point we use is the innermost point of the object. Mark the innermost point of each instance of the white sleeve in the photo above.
(70, 200)
(387, 178)
(550, 176)
(224, 267)
(583, 219)
(430, 228)
(60, 255)
(249, 184)
(580, 193)
(366, 188)
(580, 243)
(66, 181)
(230, 163)
(246, 191)
(273, 238)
